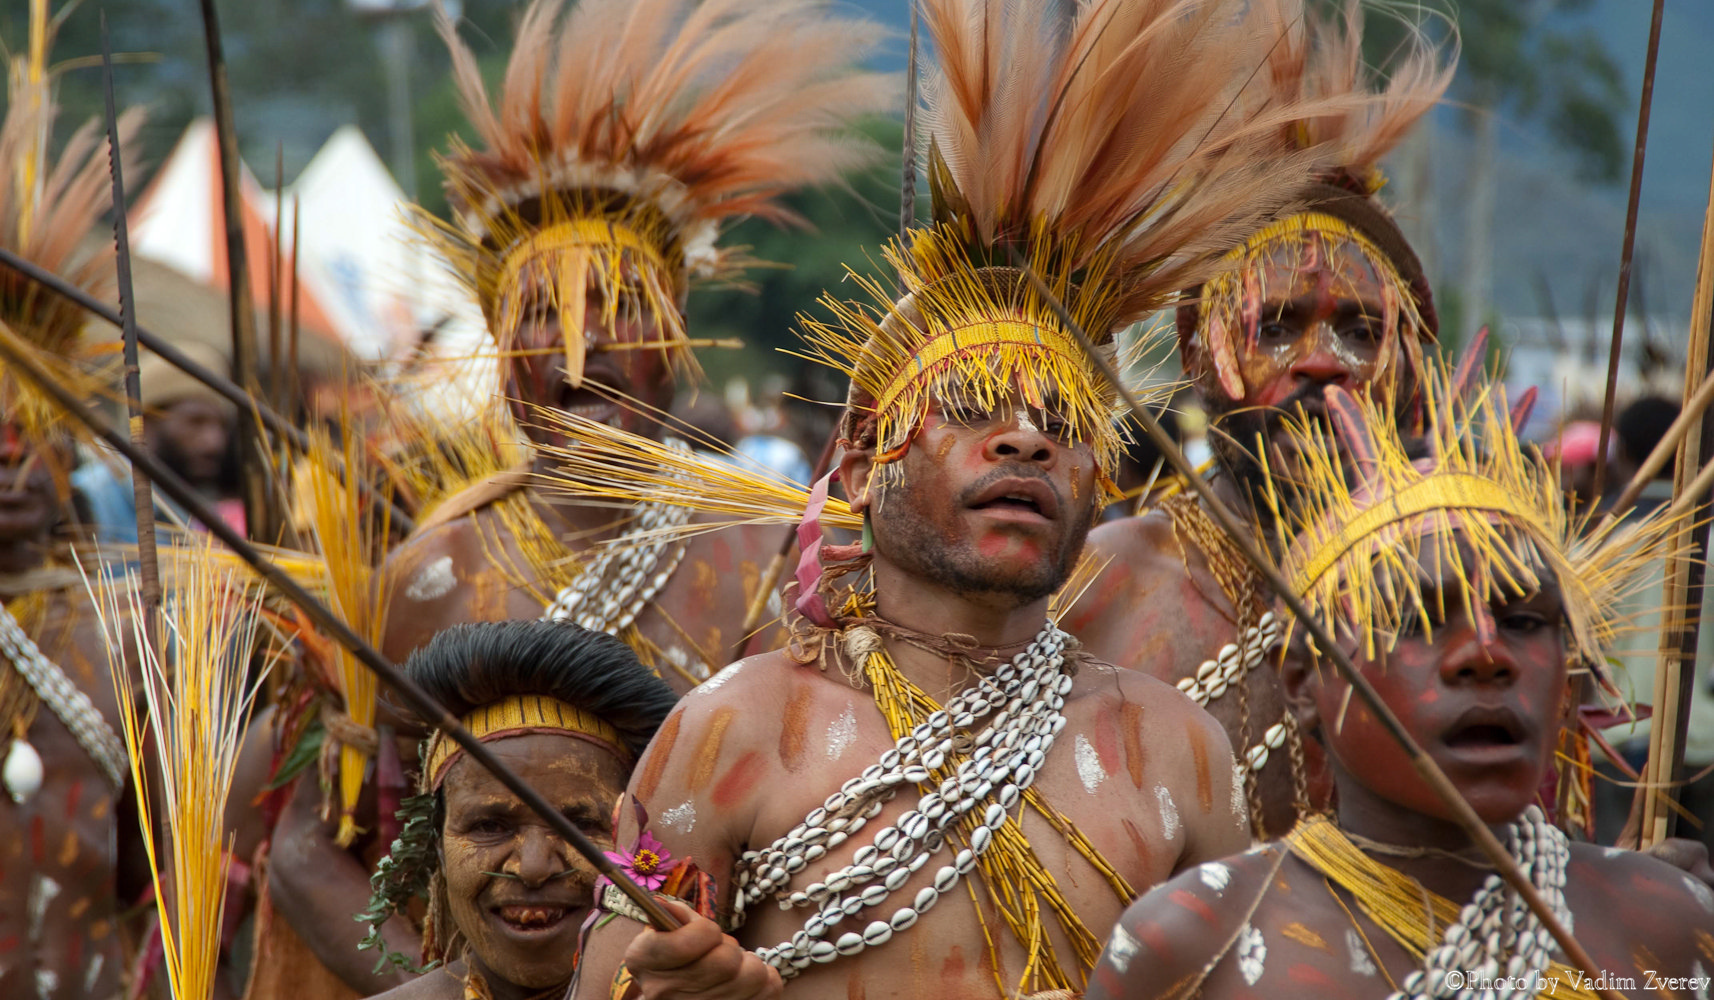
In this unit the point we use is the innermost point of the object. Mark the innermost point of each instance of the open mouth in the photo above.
(586, 401)
(1487, 730)
(531, 919)
(1018, 499)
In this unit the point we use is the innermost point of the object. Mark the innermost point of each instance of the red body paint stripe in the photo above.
(1189, 901)
(739, 781)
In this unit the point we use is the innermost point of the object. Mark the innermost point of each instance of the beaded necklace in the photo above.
(1495, 936)
(969, 785)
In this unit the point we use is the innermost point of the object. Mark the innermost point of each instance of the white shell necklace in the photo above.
(613, 588)
(1498, 921)
(1025, 697)
(22, 772)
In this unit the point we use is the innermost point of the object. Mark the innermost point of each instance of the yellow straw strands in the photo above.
(182, 707)
(605, 464)
(350, 535)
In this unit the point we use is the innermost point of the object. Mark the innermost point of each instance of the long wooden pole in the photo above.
(252, 470)
(142, 497)
(1462, 813)
(1628, 249)
(1680, 621)
(13, 353)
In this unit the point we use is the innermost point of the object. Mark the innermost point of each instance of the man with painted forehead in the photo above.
(1450, 572)
(934, 791)
(1329, 295)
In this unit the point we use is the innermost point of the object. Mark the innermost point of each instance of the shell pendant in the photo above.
(22, 772)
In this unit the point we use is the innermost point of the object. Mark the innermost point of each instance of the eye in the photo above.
(1363, 330)
(487, 826)
(1275, 331)
(1523, 622)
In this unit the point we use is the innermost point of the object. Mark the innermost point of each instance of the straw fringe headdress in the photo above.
(1117, 153)
(48, 207)
(627, 133)
(1319, 62)
(1361, 536)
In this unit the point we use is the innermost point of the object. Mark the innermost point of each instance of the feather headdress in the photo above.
(1368, 517)
(627, 133)
(1116, 152)
(1318, 62)
(47, 208)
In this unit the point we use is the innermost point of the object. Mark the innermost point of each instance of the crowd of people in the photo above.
(984, 698)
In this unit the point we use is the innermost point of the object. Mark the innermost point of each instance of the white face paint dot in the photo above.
(718, 679)
(681, 817)
(1360, 961)
(433, 581)
(1169, 812)
(1252, 954)
(1120, 949)
(841, 733)
(1215, 876)
(1089, 767)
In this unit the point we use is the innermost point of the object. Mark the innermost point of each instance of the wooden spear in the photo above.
(1628, 249)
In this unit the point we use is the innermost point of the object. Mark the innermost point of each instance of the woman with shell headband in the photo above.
(933, 792)
(1449, 569)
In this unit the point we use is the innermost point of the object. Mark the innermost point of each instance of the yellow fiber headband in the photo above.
(520, 715)
(1447, 491)
(971, 341)
(577, 234)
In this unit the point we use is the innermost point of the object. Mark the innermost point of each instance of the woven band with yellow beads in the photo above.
(521, 715)
(581, 233)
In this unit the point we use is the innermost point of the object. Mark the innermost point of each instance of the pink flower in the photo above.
(648, 862)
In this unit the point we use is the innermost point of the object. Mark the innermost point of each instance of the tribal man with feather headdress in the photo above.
(63, 838)
(625, 136)
(933, 791)
(1447, 567)
(1328, 293)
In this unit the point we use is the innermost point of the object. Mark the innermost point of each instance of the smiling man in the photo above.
(1330, 295)
(933, 791)
(567, 710)
(1451, 573)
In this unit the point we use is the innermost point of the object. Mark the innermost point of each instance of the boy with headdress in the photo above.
(64, 764)
(933, 792)
(625, 135)
(568, 710)
(1328, 294)
(1449, 570)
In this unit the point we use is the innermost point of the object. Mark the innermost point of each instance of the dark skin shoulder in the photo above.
(445, 983)
(1156, 608)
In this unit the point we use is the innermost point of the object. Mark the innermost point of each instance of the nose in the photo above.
(540, 858)
(1474, 654)
(1020, 440)
(1321, 363)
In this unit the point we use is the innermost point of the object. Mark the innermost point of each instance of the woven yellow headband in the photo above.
(576, 234)
(521, 715)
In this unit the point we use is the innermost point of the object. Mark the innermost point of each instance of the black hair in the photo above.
(1640, 427)
(467, 666)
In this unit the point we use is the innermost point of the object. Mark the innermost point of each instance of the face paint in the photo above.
(516, 891)
(1492, 727)
(984, 506)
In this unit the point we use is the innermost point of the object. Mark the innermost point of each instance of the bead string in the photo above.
(62, 696)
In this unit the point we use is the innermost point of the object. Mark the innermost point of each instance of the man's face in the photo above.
(191, 436)
(537, 369)
(990, 502)
(1314, 316)
(29, 500)
(1483, 699)
(516, 891)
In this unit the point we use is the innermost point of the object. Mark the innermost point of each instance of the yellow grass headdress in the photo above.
(625, 136)
(1110, 153)
(1319, 61)
(1364, 524)
(47, 208)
